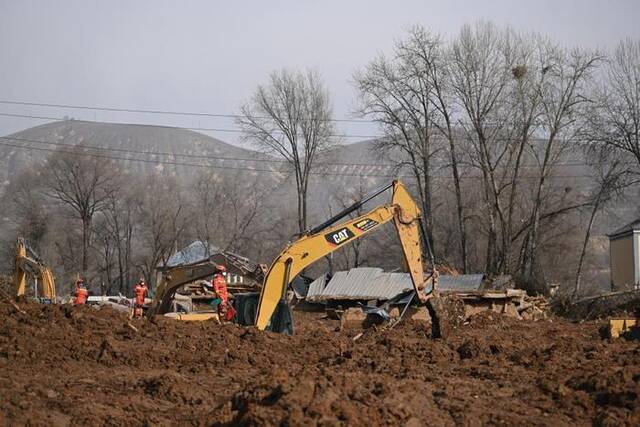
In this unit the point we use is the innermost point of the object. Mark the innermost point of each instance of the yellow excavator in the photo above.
(173, 278)
(268, 309)
(27, 263)
(328, 237)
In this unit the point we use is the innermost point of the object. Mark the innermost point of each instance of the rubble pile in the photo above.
(63, 365)
(533, 308)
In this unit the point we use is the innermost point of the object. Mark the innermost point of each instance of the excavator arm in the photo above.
(327, 238)
(29, 264)
(173, 279)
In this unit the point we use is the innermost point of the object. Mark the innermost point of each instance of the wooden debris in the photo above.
(533, 308)
(612, 303)
(10, 300)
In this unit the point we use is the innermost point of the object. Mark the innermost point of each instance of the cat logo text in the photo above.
(338, 237)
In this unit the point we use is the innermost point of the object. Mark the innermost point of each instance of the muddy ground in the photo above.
(63, 365)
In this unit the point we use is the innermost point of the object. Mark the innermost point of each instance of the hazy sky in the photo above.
(208, 56)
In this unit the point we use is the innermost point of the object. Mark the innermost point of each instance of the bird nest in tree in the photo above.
(519, 71)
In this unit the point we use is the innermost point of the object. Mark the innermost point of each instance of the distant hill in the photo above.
(341, 168)
(185, 146)
(120, 138)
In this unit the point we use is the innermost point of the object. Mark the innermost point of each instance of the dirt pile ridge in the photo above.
(66, 365)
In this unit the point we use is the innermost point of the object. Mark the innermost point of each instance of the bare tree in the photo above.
(480, 77)
(227, 209)
(528, 72)
(562, 94)
(291, 117)
(83, 184)
(161, 221)
(104, 246)
(115, 233)
(401, 93)
(29, 213)
(614, 122)
(612, 133)
(611, 182)
(429, 56)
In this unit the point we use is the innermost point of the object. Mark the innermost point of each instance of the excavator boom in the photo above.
(327, 238)
(174, 277)
(29, 264)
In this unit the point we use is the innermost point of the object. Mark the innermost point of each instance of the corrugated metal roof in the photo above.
(316, 287)
(462, 282)
(368, 283)
(197, 251)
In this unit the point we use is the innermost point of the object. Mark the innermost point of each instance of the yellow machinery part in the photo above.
(45, 276)
(48, 283)
(193, 317)
(618, 327)
(312, 247)
(19, 276)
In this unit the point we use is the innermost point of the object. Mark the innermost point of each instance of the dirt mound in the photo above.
(64, 365)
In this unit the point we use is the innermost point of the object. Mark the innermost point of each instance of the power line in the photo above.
(240, 131)
(166, 162)
(221, 158)
(198, 156)
(209, 129)
(226, 130)
(29, 116)
(184, 113)
(164, 112)
(76, 153)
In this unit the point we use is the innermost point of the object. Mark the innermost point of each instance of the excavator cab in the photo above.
(329, 237)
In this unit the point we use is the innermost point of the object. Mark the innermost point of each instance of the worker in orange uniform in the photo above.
(81, 293)
(219, 283)
(140, 292)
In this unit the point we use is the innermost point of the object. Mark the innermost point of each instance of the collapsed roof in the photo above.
(372, 283)
(199, 252)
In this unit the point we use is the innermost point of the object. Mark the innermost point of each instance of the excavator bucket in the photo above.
(447, 313)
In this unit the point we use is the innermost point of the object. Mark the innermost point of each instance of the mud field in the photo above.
(63, 365)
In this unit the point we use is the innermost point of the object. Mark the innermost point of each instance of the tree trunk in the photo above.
(86, 230)
(426, 201)
(303, 219)
(587, 236)
(491, 266)
(127, 277)
(512, 199)
(461, 220)
(530, 253)
(302, 200)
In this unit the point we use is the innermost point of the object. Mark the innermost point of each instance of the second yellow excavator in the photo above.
(28, 263)
(328, 237)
